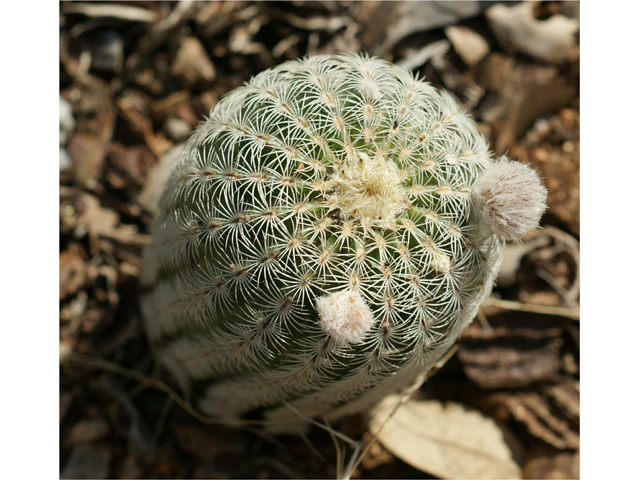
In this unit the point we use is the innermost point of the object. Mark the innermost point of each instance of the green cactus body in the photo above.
(319, 241)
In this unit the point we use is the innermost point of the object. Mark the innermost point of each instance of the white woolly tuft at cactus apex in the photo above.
(325, 237)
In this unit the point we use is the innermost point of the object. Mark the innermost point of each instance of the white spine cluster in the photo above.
(511, 197)
(345, 317)
(317, 242)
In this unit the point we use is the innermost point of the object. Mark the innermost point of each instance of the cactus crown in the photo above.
(320, 241)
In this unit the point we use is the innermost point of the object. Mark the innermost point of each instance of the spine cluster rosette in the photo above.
(322, 241)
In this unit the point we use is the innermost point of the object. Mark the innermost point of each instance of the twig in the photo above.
(313, 449)
(338, 450)
(401, 401)
(162, 419)
(572, 313)
(122, 12)
(101, 364)
(341, 436)
(557, 286)
(565, 243)
(482, 318)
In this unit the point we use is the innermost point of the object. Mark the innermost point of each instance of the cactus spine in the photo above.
(325, 237)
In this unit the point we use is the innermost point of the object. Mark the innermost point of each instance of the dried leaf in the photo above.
(413, 17)
(88, 154)
(567, 397)
(447, 440)
(516, 352)
(545, 462)
(128, 166)
(164, 108)
(468, 44)
(192, 64)
(73, 273)
(92, 100)
(520, 95)
(158, 176)
(542, 420)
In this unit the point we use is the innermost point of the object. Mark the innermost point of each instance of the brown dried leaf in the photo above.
(164, 108)
(92, 101)
(88, 154)
(126, 244)
(133, 109)
(545, 462)
(128, 166)
(468, 44)
(181, 13)
(192, 64)
(538, 415)
(519, 95)
(516, 352)
(81, 213)
(158, 176)
(565, 395)
(447, 440)
(73, 274)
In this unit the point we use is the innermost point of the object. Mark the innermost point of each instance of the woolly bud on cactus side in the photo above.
(325, 237)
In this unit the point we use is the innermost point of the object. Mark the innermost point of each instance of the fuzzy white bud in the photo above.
(345, 317)
(511, 198)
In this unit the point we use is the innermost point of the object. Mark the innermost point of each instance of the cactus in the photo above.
(327, 234)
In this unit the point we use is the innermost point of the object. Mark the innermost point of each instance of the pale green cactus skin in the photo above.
(320, 176)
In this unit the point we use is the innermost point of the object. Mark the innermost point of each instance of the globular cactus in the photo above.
(326, 236)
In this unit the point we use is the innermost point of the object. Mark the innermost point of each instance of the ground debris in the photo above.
(137, 77)
(545, 462)
(540, 417)
(447, 440)
(515, 353)
(88, 461)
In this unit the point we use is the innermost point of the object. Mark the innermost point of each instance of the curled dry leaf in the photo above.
(516, 352)
(447, 440)
(544, 462)
(541, 418)
(565, 395)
